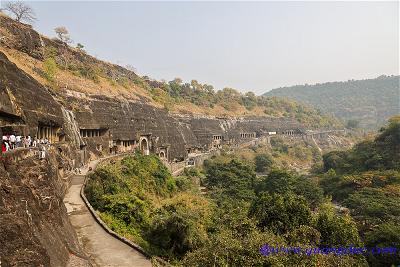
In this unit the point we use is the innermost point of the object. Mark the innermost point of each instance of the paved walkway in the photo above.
(103, 249)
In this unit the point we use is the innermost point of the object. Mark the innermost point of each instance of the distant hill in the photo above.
(370, 101)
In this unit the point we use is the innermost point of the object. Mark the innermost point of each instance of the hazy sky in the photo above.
(253, 46)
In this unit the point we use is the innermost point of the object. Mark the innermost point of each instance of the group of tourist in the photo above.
(14, 141)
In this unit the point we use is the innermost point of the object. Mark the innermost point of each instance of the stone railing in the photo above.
(174, 167)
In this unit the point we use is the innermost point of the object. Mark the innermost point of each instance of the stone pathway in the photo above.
(102, 248)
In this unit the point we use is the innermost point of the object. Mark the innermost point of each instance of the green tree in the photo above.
(263, 162)
(180, 225)
(278, 181)
(249, 100)
(234, 179)
(310, 190)
(336, 160)
(336, 230)
(131, 210)
(280, 213)
(388, 144)
(386, 235)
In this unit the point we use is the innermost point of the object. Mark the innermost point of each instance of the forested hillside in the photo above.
(366, 179)
(370, 102)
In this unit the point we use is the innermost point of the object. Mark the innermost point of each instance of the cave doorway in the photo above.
(144, 146)
(162, 154)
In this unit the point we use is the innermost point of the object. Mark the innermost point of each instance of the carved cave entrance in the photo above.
(144, 146)
(162, 154)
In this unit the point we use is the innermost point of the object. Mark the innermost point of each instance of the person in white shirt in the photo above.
(28, 140)
(7, 146)
(42, 151)
(12, 141)
(18, 140)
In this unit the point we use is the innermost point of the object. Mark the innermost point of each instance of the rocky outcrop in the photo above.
(35, 230)
(24, 38)
(21, 37)
(25, 99)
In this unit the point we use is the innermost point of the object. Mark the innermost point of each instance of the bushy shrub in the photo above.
(49, 68)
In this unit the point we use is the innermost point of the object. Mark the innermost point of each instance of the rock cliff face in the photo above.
(26, 100)
(123, 121)
(35, 229)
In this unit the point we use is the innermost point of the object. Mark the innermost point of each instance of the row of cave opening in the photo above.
(50, 133)
(56, 134)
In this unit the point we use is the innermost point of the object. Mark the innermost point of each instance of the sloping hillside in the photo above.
(366, 180)
(66, 70)
(370, 101)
